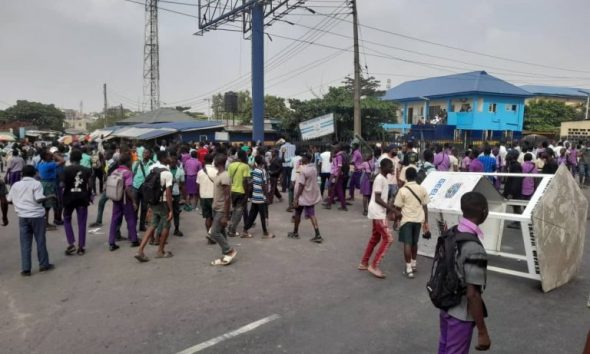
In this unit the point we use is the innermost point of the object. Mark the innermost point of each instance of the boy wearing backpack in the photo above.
(411, 202)
(141, 169)
(123, 204)
(463, 310)
(157, 190)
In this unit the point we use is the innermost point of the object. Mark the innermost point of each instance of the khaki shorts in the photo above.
(160, 216)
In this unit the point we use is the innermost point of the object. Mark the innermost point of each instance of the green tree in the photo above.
(339, 101)
(43, 116)
(370, 86)
(546, 115)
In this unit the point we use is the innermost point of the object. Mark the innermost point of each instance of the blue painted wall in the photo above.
(500, 120)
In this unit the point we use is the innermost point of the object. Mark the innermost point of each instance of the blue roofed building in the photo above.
(473, 105)
(571, 96)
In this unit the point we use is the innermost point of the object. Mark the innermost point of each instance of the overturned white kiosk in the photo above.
(552, 224)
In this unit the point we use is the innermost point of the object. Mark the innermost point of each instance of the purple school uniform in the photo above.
(442, 162)
(124, 208)
(528, 183)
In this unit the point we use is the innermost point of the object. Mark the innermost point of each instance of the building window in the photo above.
(480, 104)
(492, 108)
(511, 107)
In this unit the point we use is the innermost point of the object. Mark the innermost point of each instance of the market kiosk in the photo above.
(552, 224)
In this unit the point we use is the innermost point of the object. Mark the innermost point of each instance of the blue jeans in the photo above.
(29, 228)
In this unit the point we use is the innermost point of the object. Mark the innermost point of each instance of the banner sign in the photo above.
(317, 127)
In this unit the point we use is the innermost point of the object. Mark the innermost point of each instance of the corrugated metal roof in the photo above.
(185, 126)
(442, 86)
(556, 91)
(159, 115)
(155, 133)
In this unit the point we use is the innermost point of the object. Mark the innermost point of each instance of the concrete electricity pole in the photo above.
(357, 72)
(104, 91)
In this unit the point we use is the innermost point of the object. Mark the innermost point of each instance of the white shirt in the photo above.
(453, 162)
(206, 185)
(376, 211)
(24, 195)
(166, 179)
(325, 158)
(392, 177)
(295, 161)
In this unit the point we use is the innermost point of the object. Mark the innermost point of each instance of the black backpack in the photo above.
(152, 188)
(421, 175)
(446, 285)
(345, 163)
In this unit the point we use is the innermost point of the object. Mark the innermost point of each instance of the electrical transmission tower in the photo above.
(151, 57)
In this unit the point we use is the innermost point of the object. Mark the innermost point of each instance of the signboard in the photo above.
(445, 190)
(221, 136)
(317, 127)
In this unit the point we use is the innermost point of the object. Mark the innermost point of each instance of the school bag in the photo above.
(152, 188)
(115, 186)
(446, 285)
(345, 163)
(421, 175)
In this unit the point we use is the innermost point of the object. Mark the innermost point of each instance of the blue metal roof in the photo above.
(556, 91)
(184, 126)
(452, 85)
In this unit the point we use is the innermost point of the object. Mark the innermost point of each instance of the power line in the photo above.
(529, 74)
(288, 53)
(165, 9)
(464, 50)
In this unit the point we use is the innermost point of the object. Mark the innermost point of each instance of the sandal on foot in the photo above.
(246, 235)
(293, 235)
(142, 258)
(363, 266)
(167, 254)
(266, 237)
(409, 275)
(70, 250)
(376, 272)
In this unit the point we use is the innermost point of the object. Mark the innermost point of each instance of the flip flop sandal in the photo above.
(409, 275)
(219, 262)
(223, 261)
(168, 254)
(246, 235)
(377, 274)
(266, 237)
(70, 250)
(363, 267)
(142, 258)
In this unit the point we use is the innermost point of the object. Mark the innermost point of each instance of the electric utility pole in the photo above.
(357, 72)
(151, 56)
(104, 91)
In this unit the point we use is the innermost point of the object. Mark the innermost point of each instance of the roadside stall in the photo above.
(552, 225)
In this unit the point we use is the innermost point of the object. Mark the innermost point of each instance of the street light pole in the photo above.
(357, 72)
(587, 104)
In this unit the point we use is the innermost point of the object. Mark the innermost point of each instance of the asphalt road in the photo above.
(106, 302)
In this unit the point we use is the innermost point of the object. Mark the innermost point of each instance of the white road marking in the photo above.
(247, 328)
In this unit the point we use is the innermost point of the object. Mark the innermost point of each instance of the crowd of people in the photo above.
(151, 185)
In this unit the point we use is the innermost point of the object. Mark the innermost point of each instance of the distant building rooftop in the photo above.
(556, 91)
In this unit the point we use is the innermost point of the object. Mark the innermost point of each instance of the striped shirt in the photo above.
(287, 153)
(258, 181)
